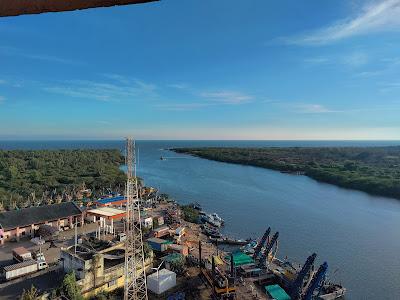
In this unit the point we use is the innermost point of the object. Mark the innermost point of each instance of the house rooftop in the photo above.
(38, 214)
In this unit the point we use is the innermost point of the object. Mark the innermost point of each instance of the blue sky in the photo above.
(185, 69)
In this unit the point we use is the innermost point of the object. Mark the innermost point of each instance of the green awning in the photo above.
(240, 258)
(276, 292)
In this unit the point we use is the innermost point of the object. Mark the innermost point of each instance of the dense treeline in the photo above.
(375, 170)
(41, 176)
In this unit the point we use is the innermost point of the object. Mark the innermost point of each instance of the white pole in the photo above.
(76, 235)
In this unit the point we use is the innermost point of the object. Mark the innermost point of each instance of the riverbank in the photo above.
(373, 170)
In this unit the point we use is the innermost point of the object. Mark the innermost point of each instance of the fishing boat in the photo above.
(331, 291)
(210, 219)
(229, 241)
(211, 232)
(249, 247)
(217, 218)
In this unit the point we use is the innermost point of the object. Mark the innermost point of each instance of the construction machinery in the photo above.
(273, 242)
(261, 243)
(316, 282)
(297, 285)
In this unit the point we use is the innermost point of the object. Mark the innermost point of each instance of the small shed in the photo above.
(157, 244)
(276, 292)
(171, 259)
(161, 281)
(148, 222)
(240, 258)
(161, 231)
(182, 249)
(160, 220)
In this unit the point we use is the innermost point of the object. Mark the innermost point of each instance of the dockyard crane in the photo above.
(268, 248)
(316, 281)
(297, 285)
(135, 275)
(261, 243)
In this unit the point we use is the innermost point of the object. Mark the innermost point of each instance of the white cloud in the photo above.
(227, 97)
(12, 51)
(102, 91)
(317, 60)
(312, 109)
(179, 86)
(377, 17)
(181, 106)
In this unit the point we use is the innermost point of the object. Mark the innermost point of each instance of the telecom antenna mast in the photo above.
(135, 275)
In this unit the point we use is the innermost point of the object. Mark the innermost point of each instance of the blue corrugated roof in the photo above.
(110, 200)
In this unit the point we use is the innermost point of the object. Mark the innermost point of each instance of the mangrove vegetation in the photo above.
(375, 170)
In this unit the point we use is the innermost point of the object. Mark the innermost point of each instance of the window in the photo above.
(112, 283)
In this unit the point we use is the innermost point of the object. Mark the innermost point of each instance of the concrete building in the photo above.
(98, 265)
(25, 222)
(106, 216)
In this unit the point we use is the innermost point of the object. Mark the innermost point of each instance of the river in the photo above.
(356, 233)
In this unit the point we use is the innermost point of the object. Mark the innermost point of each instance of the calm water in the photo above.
(357, 234)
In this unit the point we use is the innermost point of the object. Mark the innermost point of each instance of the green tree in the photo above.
(70, 288)
(31, 294)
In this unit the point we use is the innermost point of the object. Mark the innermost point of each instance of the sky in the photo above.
(210, 69)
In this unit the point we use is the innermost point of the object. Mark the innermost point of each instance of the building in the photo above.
(106, 216)
(25, 222)
(98, 265)
(118, 201)
(158, 244)
(161, 281)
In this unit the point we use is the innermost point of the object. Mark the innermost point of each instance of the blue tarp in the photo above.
(110, 200)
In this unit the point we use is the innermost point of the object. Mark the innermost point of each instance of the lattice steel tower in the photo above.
(135, 276)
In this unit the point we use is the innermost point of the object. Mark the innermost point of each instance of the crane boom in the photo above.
(261, 243)
(268, 248)
(297, 285)
(316, 281)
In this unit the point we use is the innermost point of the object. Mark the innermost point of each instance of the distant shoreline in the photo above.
(374, 170)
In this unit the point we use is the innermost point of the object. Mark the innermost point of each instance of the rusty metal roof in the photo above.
(19, 265)
(24, 7)
(38, 214)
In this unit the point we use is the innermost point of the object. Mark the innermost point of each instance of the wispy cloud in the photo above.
(389, 86)
(12, 51)
(102, 91)
(317, 60)
(356, 59)
(2, 81)
(2, 99)
(182, 106)
(227, 97)
(376, 17)
(312, 109)
(179, 86)
(353, 59)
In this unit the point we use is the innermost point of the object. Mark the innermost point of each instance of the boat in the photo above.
(249, 247)
(229, 241)
(218, 218)
(210, 219)
(331, 291)
(211, 231)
